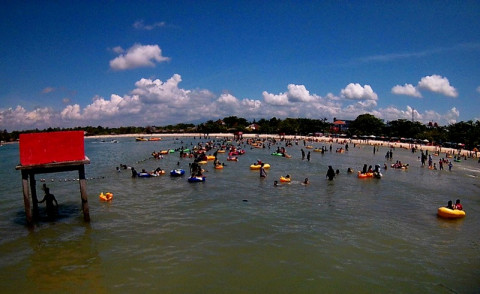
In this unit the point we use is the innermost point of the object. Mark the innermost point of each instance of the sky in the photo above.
(156, 63)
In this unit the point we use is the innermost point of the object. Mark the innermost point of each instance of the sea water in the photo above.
(238, 233)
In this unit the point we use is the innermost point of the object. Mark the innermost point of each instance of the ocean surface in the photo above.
(237, 233)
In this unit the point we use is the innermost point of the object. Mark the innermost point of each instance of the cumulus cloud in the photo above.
(294, 94)
(157, 102)
(138, 56)
(407, 89)
(452, 115)
(298, 93)
(438, 84)
(281, 99)
(140, 25)
(156, 91)
(19, 116)
(227, 98)
(393, 113)
(356, 91)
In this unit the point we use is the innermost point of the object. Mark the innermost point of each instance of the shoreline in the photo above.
(323, 139)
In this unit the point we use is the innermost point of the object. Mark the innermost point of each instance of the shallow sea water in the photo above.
(237, 233)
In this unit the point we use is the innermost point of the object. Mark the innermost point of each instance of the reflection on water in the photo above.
(238, 233)
(64, 260)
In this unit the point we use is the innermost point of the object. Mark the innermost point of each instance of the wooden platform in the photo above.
(51, 152)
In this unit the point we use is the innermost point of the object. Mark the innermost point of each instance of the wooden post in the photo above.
(83, 193)
(26, 197)
(33, 191)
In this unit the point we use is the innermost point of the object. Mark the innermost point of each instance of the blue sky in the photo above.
(122, 63)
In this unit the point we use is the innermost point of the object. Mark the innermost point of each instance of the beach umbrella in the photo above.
(425, 141)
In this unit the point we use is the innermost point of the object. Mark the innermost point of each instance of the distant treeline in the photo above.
(467, 133)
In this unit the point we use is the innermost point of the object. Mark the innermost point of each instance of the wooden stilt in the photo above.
(26, 197)
(83, 193)
(33, 192)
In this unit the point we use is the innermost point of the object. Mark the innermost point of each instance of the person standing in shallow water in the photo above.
(263, 173)
(52, 208)
(330, 173)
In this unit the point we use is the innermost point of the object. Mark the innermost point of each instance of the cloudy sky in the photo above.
(122, 63)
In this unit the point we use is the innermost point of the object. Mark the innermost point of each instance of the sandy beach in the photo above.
(321, 139)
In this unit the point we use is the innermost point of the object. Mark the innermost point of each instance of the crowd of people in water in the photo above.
(199, 154)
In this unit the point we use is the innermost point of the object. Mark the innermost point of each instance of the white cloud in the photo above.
(478, 89)
(71, 112)
(452, 115)
(138, 56)
(294, 94)
(281, 99)
(298, 93)
(393, 113)
(140, 25)
(356, 91)
(438, 84)
(102, 108)
(407, 89)
(156, 91)
(154, 102)
(227, 98)
(27, 119)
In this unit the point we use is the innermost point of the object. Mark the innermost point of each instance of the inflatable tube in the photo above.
(218, 166)
(144, 175)
(221, 151)
(210, 157)
(364, 176)
(196, 179)
(171, 151)
(285, 180)
(403, 166)
(258, 166)
(277, 154)
(232, 158)
(177, 172)
(202, 162)
(106, 197)
(317, 150)
(450, 213)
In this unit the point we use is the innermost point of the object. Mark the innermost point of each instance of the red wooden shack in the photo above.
(51, 152)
